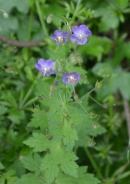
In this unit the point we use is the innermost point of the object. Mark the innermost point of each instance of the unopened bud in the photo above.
(73, 59)
(84, 78)
(91, 142)
(98, 84)
(49, 19)
(51, 89)
(79, 59)
(5, 14)
(76, 98)
(95, 125)
(92, 115)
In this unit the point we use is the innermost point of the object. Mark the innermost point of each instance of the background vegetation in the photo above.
(106, 54)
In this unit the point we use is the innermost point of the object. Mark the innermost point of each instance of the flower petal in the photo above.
(38, 66)
(65, 34)
(82, 42)
(41, 61)
(87, 32)
(53, 37)
(83, 27)
(75, 29)
(58, 33)
(73, 38)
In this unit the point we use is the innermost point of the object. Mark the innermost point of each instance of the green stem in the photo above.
(93, 163)
(103, 106)
(88, 93)
(83, 108)
(41, 18)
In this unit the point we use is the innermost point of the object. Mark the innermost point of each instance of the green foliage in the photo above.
(32, 163)
(30, 179)
(84, 178)
(66, 121)
(8, 177)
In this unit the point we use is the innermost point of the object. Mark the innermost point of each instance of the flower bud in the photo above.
(73, 59)
(5, 14)
(92, 115)
(98, 84)
(79, 59)
(91, 142)
(49, 19)
(76, 98)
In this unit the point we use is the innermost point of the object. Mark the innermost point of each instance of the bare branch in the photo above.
(127, 112)
(17, 43)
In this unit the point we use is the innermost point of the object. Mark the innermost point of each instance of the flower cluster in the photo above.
(79, 35)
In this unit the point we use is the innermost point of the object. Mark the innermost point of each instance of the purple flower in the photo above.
(59, 37)
(80, 34)
(70, 78)
(45, 66)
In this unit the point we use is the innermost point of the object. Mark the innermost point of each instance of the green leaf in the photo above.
(83, 178)
(30, 179)
(8, 177)
(3, 130)
(122, 4)
(69, 135)
(101, 45)
(22, 6)
(102, 69)
(42, 88)
(60, 53)
(106, 24)
(39, 142)
(39, 120)
(3, 110)
(32, 163)
(59, 158)
(1, 166)
(8, 24)
(16, 115)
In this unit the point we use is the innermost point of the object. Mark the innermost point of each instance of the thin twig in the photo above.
(127, 112)
(17, 43)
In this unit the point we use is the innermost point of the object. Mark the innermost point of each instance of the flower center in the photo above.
(80, 36)
(44, 71)
(71, 79)
(59, 39)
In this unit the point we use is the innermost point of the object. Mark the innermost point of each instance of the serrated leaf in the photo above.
(69, 135)
(59, 158)
(39, 142)
(42, 88)
(61, 52)
(8, 177)
(39, 120)
(83, 178)
(75, 118)
(30, 179)
(32, 163)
